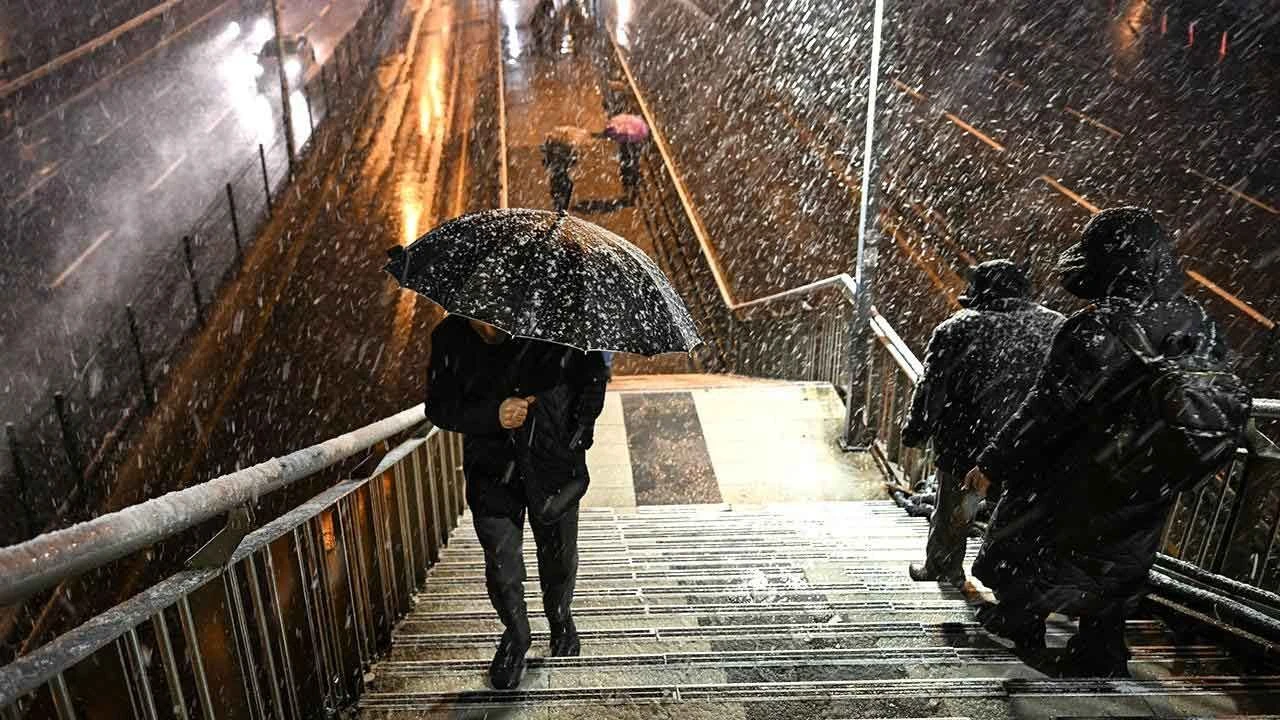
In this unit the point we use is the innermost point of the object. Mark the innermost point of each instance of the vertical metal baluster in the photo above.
(330, 626)
(356, 580)
(1260, 568)
(1238, 470)
(127, 673)
(303, 554)
(424, 530)
(1195, 515)
(62, 698)
(240, 629)
(145, 697)
(437, 498)
(273, 597)
(197, 658)
(401, 482)
(264, 632)
(160, 628)
(1227, 483)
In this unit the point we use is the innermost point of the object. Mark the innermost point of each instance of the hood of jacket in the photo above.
(1123, 252)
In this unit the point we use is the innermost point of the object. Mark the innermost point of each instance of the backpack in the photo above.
(1189, 415)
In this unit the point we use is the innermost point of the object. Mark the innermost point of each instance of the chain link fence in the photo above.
(55, 463)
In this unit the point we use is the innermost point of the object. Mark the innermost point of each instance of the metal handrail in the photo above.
(843, 281)
(47, 559)
(1266, 408)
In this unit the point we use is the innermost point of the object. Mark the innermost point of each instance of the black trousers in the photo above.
(561, 190)
(948, 528)
(502, 537)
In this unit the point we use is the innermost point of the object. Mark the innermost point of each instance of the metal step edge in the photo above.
(784, 658)
(760, 608)
(738, 589)
(898, 629)
(831, 690)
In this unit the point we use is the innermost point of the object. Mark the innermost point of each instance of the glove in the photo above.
(583, 438)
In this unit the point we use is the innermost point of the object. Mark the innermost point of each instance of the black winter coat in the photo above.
(469, 379)
(1062, 536)
(979, 366)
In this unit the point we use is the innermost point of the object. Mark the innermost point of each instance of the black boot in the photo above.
(507, 667)
(1025, 629)
(564, 639)
(920, 572)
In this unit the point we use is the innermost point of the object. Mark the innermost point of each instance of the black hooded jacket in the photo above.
(1060, 535)
(979, 366)
(469, 379)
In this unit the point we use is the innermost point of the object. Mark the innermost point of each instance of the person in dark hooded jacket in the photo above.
(1067, 535)
(978, 367)
(527, 411)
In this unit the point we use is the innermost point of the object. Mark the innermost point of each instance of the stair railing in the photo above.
(278, 621)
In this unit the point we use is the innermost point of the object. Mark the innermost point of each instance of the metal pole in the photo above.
(311, 119)
(235, 222)
(19, 472)
(324, 89)
(69, 443)
(285, 109)
(137, 351)
(266, 183)
(191, 275)
(867, 243)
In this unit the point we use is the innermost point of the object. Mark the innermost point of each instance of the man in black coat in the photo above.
(1068, 535)
(979, 366)
(527, 410)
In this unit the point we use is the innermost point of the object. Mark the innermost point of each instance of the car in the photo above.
(299, 62)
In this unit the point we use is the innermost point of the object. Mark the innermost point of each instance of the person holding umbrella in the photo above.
(560, 150)
(533, 298)
(629, 132)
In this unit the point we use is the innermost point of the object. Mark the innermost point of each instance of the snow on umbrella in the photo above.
(548, 276)
(627, 129)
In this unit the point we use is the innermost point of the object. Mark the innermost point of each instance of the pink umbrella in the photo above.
(627, 129)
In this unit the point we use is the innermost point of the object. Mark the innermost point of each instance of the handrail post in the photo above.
(20, 473)
(235, 223)
(69, 444)
(136, 339)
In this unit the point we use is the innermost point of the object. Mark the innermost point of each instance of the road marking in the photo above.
(165, 90)
(1075, 198)
(167, 172)
(98, 140)
(46, 173)
(908, 89)
(1096, 123)
(325, 10)
(218, 121)
(1241, 305)
(973, 131)
(62, 277)
(1223, 186)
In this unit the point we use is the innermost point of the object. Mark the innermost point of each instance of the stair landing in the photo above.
(691, 439)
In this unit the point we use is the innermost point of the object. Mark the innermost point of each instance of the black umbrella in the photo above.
(548, 276)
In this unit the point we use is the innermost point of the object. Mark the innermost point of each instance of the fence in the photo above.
(55, 461)
(284, 626)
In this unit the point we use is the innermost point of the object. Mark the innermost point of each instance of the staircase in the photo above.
(767, 610)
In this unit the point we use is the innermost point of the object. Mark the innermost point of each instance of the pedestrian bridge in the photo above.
(752, 511)
(738, 559)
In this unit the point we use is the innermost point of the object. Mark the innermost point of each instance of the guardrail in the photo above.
(285, 623)
(51, 461)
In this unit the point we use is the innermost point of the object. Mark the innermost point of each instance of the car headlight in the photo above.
(292, 68)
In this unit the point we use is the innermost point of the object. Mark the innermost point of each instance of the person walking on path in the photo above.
(1133, 406)
(630, 132)
(527, 410)
(542, 26)
(560, 152)
(979, 365)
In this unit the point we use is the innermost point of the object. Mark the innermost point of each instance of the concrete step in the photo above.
(985, 697)
(772, 666)
(743, 634)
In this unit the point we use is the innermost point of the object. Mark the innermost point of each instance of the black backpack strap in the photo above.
(1133, 336)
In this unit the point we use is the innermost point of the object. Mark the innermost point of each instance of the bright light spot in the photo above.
(231, 32)
(254, 113)
(301, 120)
(239, 70)
(292, 68)
(624, 11)
(510, 10)
(261, 31)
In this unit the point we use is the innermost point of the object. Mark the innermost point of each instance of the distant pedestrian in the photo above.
(542, 26)
(630, 132)
(979, 365)
(1133, 406)
(560, 153)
